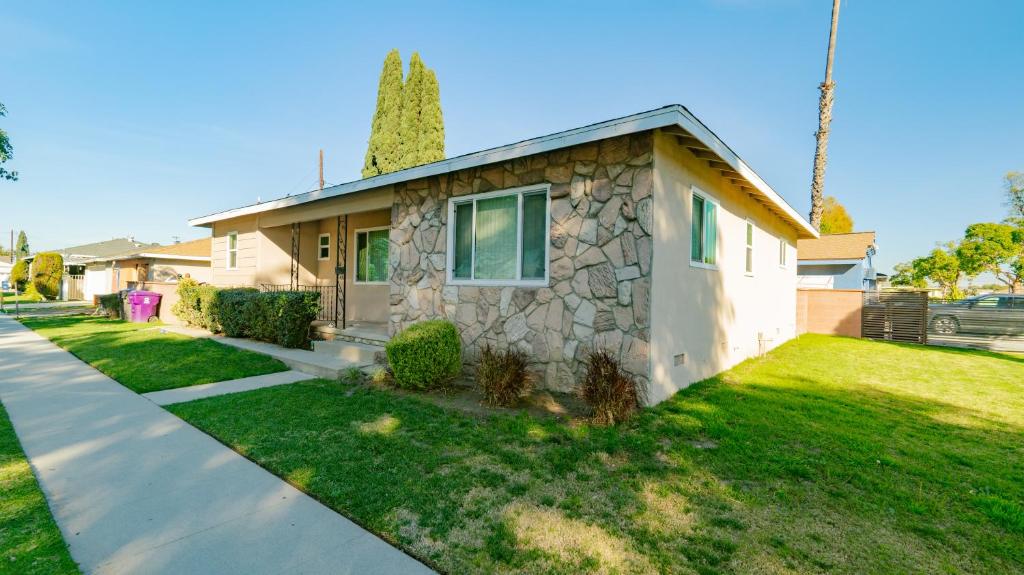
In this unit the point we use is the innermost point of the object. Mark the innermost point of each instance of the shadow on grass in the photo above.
(722, 477)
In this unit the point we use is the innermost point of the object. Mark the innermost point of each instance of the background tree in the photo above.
(21, 249)
(824, 124)
(408, 126)
(1013, 183)
(382, 155)
(430, 139)
(834, 218)
(994, 248)
(942, 267)
(6, 151)
(903, 274)
(412, 107)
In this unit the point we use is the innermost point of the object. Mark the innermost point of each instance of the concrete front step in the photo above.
(350, 351)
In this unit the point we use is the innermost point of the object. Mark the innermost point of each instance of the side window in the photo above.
(987, 302)
(323, 247)
(232, 250)
(749, 264)
(703, 230)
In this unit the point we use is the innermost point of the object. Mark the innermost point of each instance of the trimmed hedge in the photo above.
(231, 307)
(19, 275)
(196, 305)
(277, 317)
(47, 271)
(112, 305)
(426, 354)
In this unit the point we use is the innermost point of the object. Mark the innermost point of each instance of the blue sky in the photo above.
(131, 117)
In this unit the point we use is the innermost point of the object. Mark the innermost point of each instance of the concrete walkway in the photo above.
(136, 490)
(316, 364)
(182, 394)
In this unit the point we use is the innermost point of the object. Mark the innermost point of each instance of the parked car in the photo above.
(994, 314)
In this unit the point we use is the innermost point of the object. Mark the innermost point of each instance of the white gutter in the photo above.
(674, 115)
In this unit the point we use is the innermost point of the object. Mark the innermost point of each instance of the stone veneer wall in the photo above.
(600, 259)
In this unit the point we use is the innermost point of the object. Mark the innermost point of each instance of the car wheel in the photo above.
(945, 325)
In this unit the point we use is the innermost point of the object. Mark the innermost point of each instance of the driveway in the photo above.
(136, 490)
(1011, 343)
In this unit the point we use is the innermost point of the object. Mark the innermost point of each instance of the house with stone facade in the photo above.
(644, 235)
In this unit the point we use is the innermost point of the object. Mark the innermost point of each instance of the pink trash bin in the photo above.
(144, 305)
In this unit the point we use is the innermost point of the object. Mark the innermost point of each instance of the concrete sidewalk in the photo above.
(136, 490)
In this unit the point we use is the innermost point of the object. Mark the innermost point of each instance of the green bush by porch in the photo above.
(280, 317)
(426, 354)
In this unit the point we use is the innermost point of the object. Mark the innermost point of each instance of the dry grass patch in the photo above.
(575, 543)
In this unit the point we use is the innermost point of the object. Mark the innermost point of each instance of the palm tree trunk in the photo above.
(824, 121)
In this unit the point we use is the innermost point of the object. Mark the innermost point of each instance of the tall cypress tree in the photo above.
(412, 98)
(21, 249)
(430, 141)
(382, 154)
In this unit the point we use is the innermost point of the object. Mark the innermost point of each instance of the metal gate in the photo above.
(895, 315)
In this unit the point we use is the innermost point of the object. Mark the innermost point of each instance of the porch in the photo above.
(344, 259)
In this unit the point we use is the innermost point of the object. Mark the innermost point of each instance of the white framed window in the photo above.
(703, 230)
(323, 247)
(500, 238)
(748, 266)
(372, 255)
(232, 251)
(783, 249)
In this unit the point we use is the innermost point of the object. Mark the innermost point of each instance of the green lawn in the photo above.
(9, 299)
(830, 454)
(29, 539)
(143, 359)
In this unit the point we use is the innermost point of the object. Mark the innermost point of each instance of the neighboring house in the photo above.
(5, 270)
(837, 261)
(163, 264)
(75, 257)
(645, 235)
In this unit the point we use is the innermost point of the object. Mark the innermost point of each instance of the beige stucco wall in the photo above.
(248, 242)
(712, 316)
(366, 302)
(265, 246)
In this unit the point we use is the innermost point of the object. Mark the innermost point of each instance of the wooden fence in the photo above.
(896, 315)
(72, 288)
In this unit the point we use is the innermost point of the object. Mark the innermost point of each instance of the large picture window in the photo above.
(372, 255)
(499, 238)
(703, 230)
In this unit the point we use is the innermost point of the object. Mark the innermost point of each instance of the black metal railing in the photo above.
(328, 298)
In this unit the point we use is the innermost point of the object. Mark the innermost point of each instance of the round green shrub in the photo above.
(19, 274)
(47, 271)
(425, 355)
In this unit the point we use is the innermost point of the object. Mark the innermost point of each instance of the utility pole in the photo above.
(824, 121)
(321, 168)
